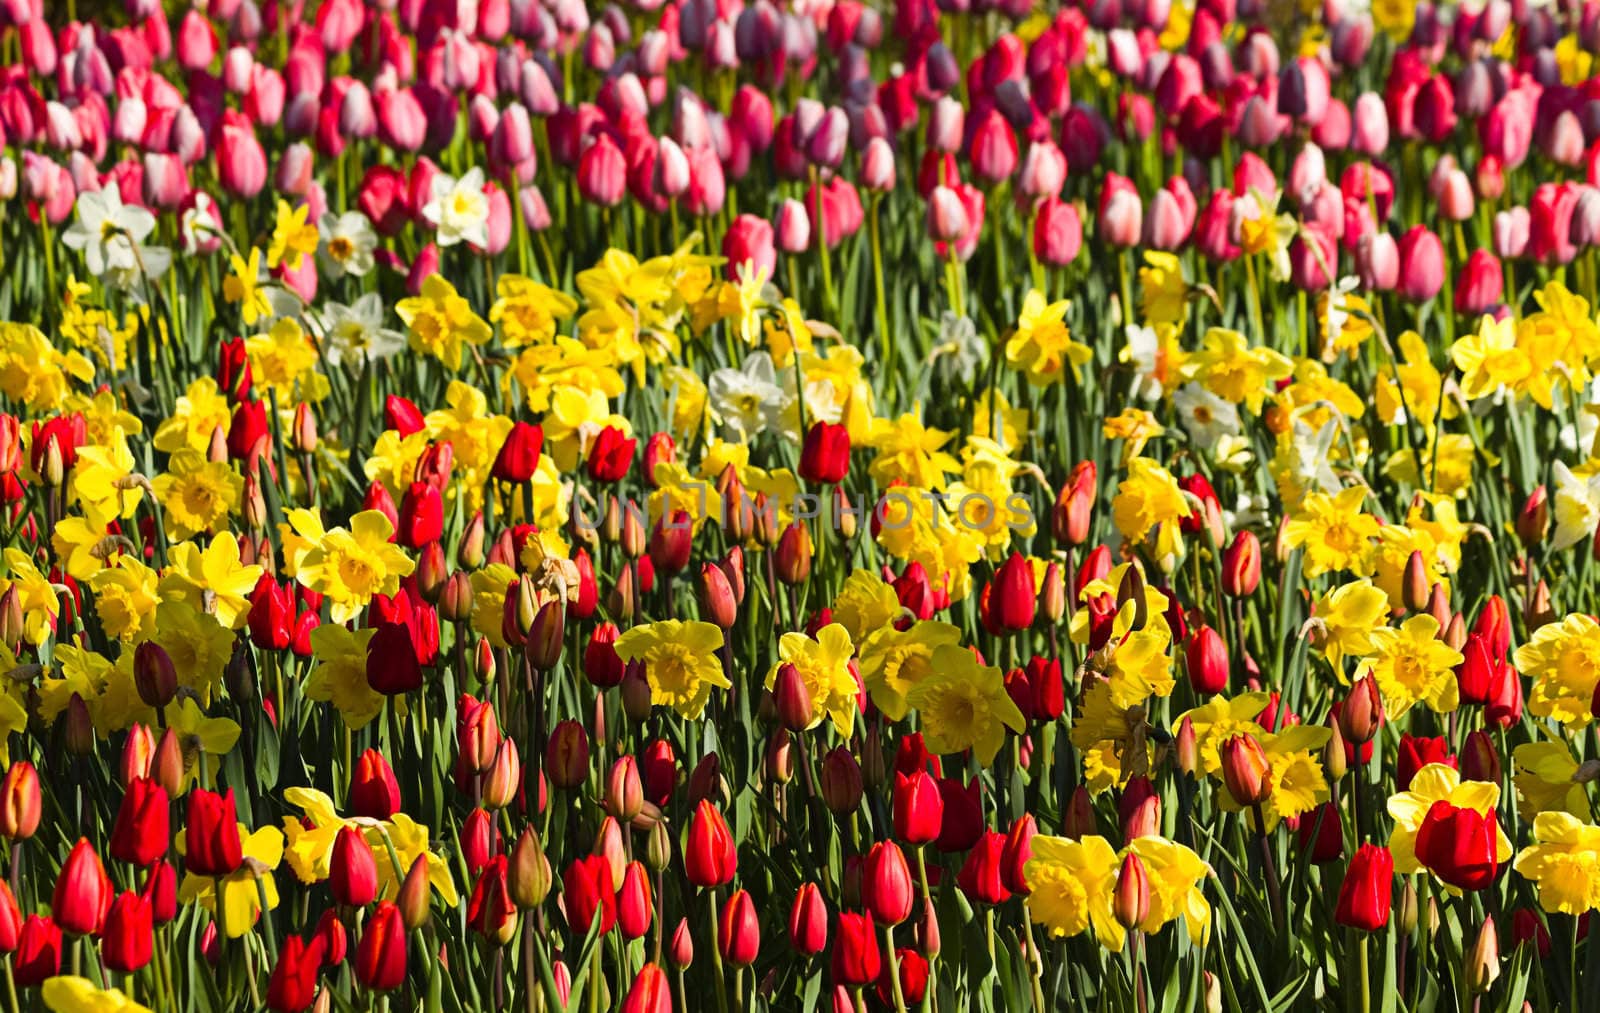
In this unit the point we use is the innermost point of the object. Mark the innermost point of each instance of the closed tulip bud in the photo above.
(1362, 713)
(353, 870)
(1245, 770)
(918, 808)
(546, 634)
(129, 937)
(842, 783)
(825, 454)
(1482, 963)
(167, 765)
(795, 707)
(886, 885)
(1057, 232)
(1415, 585)
(1334, 757)
(878, 166)
(1012, 599)
(1439, 606)
(1186, 747)
(1053, 593)
(710, 857)
(624, 797)
(636, 699)
(503, 779)
(154, 675)
(529, 875)
(792, 227)
(1130, 900)
(138, 750)
(1421, 264)
(1074, 505)
(380, 958)
(83, 892)
(1079, 821)
(1241, 565)
(792, 558)
(1139, 809)
(633, 902)
(79, 734)
(1480, 284)
(1206, 661)
(1480, 761)
(141, 833)
(20, 801)
(739, 930)
(717, 602)
(602, 172)
(947, 215)
(780, 758)
(680, 947)
(1533, 520)
(567, 755)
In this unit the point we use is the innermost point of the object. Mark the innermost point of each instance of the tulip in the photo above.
(1206, 661)
(1459, 845)
(293, 985)
(1321, 833)
(710, 856)
(739, 930)
(1378, 261)
(1480, 283)
(918, 808)
(1368, 889)
(825, 454)
(602, 173)
(1421, 264)
(792, 227)
(1245, 770)
(212, 835)
(1121, 217)
(1550, 224)
(634, 910)
(380, 960)
(374, 791)
(749, 241)
(588, 893)
(83, 892)
(1012, 599)
(241, 162)
(518, 457)
(980, 877)
(611, 455)
(20, 801)
(129, 939)
(353, 869)
(1416, 753)
(856, 959)
(808, 921)
(1361, 715)
(886, 885)
(1130, 898)
(993, 148)
(650, 992)
(1057, 232)
(141, 833)
(1480, 761)
(38, 954)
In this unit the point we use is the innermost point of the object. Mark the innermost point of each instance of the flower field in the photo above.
(690, 505)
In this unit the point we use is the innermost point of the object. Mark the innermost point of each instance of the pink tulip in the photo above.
(1480, 283)
(994, 148)
(1378, 261)
(1421, 264)
(1550, 223)
(1121, 215)
(602, 173)
(1213, 230)
(241, 163)
(401, 122)
(793, 227)
(749, 241)
(166, 181)
(1512, 228)
(197, 41)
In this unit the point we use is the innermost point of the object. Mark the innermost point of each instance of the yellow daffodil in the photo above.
(1565, 863)
(894, 661)
(1227, 366)
(244, 889)
(197, 495)
(680, 660)
(348, 567)
(1412, 665)
(1147, 497)
(824, 667)
(1346, 618)
(1563, 659)
(440, 322)
(1042, 346)
(67, 993)
(1071, 884)
(964, 705)
(1545, 780)
(911, 453)
(293, 237)
(242, 286)
(1218, 720)
(340, 676)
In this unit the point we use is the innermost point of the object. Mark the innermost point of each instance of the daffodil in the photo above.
(293, 237)
(1346, 617)
(680, 662)
(894, 661)
(1230, 368)
(348, 567)
(1413, 665)
(1042, 346)
(824, 667)
(67, 993)
(215, 579)
(1163, 294)
(528, 311)
(340, 675)
(1545, 780)
(865, 604)
(243, 286)
(197, 495)
(910, 452)
(1221, 718)
(1489, 359)
(1070, 886)
(197, 414)
(1564, 863)
(1147, 497)
(964, 705)
(208, 738)
(1334, 532)
(1175, 874)
(1563, 659)
(441, 322)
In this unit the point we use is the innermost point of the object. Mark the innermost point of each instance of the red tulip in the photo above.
(587, 893)
(1416, 753)
(83, 892)
(918, 808)
(142, 830)
(611, 455)
(980, 875)
(650, 992)
(808, 921)
(353, 869)
(518, 458)
(129, 939)
(380, 962)
(856, 959)
(1012, 598)
(38, 953)
(374, 791)
(293, 985)
(825, 455)
(710, 856)
(886, 886)
(1367, 890)
(1459, 845)
(739, 930)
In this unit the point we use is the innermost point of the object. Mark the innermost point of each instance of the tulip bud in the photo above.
(20, 801)
(416, 895)
(658, 847)
(1245, 770)
(717, 603)
(1480, 761)
(79, 734)
(1241, 565)
(624, 796)
(1482, 963)
(529, 875)
(154, 675)
(842, 785)
(567, 755)
(1074, 508)
(504, 778)
(1079, 819)
(167, 766)
(1130, 901)
(680, 950)
(1533, 520)
(795, 707)
(1186, 747)
(1206, 661)
(792, 558)
(1362, 713)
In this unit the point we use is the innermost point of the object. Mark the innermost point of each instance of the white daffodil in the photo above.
(458, 209)
(1204, 416)
(356, 332)
(747, 400)
(347, 244)
(1577, 507)
(111, 234)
